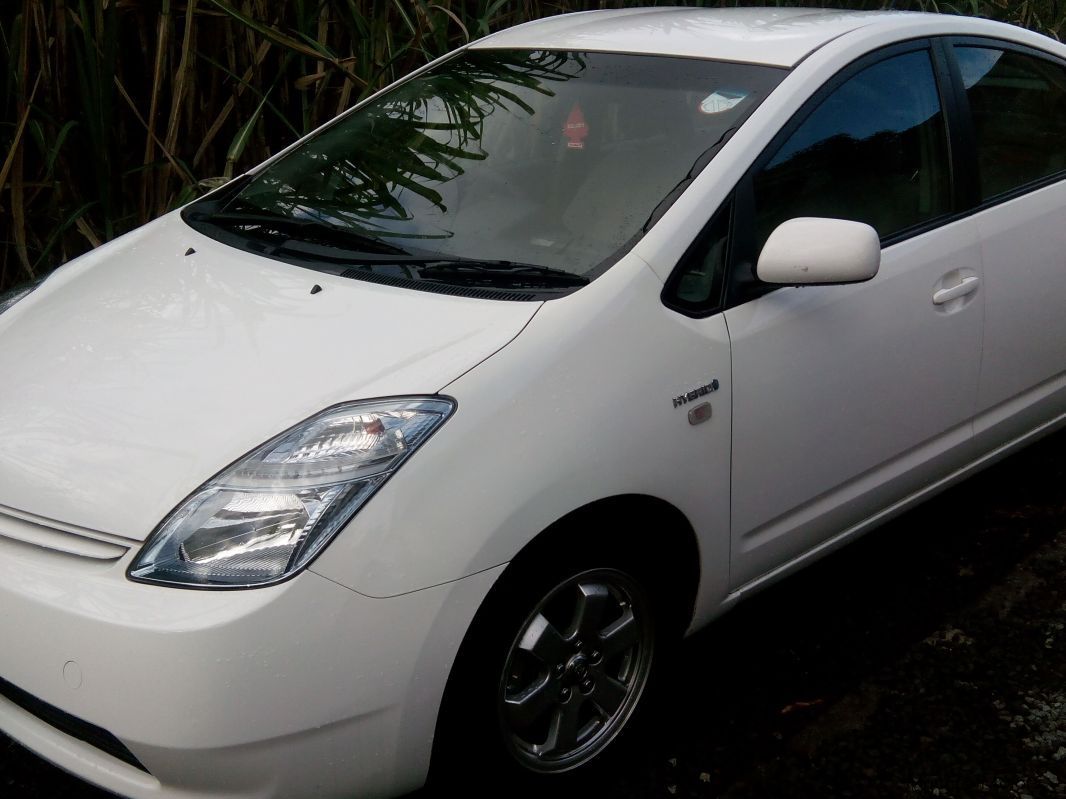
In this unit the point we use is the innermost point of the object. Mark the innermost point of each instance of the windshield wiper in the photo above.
(312, 228)
(310, 238)
(477, 270)
(460, 267)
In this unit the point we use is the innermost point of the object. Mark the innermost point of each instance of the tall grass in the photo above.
(115, 111)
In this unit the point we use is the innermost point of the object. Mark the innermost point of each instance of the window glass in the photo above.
(1018, 104)
(551, 158)
(874, 151)
(697, 285)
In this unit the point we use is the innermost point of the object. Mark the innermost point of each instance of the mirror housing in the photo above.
(811, 250)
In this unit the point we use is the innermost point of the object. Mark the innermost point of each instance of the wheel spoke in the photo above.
(544, 642)
(525, 707)
(608, 694)
(593, 599)
(620, 635)
(576, 669)
(563, 733)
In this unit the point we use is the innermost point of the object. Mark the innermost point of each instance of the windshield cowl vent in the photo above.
(442, 288)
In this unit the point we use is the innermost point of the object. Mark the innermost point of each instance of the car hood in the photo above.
(140, 370)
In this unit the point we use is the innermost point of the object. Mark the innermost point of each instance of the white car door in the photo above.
(847, 399)
(1017, 103)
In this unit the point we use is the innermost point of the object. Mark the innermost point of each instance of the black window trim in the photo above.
(697, 249)
(961, 154)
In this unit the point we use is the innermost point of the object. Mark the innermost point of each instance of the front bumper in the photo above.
(300, 689)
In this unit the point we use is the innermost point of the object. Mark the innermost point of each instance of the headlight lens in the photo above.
(264, 518)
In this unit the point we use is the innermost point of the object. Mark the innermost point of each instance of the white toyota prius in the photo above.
(418, 443)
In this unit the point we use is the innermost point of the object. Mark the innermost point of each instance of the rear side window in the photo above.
(1018, 105)
(873, 151)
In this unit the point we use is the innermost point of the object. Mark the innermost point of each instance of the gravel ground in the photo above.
(926, 660)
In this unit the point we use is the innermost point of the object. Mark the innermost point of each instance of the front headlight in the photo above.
(264, 518)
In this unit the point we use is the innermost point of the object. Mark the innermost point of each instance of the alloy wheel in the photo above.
(576, 670)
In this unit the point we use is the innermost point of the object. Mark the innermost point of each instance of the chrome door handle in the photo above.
(967, 285)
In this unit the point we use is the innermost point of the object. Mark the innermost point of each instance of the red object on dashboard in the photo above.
(575, 128)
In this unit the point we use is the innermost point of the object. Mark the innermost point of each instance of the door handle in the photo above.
(967, 285)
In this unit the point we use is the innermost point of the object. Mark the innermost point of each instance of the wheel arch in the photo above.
(651, 527)
(656, 534)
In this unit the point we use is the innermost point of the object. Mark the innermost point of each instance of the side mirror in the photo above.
(810, 250)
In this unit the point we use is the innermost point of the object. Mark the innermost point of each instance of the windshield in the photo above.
(544, 160)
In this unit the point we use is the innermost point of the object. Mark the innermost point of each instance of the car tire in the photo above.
(548, 682)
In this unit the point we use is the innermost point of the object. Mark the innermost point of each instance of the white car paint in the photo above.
(209, 690)
(544, 406)
(330, 684)
(775, 36)
(1023, 246)
(830, 427)
(813, 250)
(115, 392)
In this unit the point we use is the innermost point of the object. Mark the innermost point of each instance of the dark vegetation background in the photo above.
(115, 111)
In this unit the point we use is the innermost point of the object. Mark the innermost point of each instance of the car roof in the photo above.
(775, 36)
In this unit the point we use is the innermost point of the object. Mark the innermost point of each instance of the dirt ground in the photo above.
(926, 660)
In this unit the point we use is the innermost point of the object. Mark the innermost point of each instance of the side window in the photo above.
(1018, 105)
(874, 151)
(696, 287)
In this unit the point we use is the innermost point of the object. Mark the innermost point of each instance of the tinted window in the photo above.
(1018, 104)
(873, 151)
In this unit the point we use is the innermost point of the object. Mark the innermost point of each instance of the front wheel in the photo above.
(575, 671)
(550, 675)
